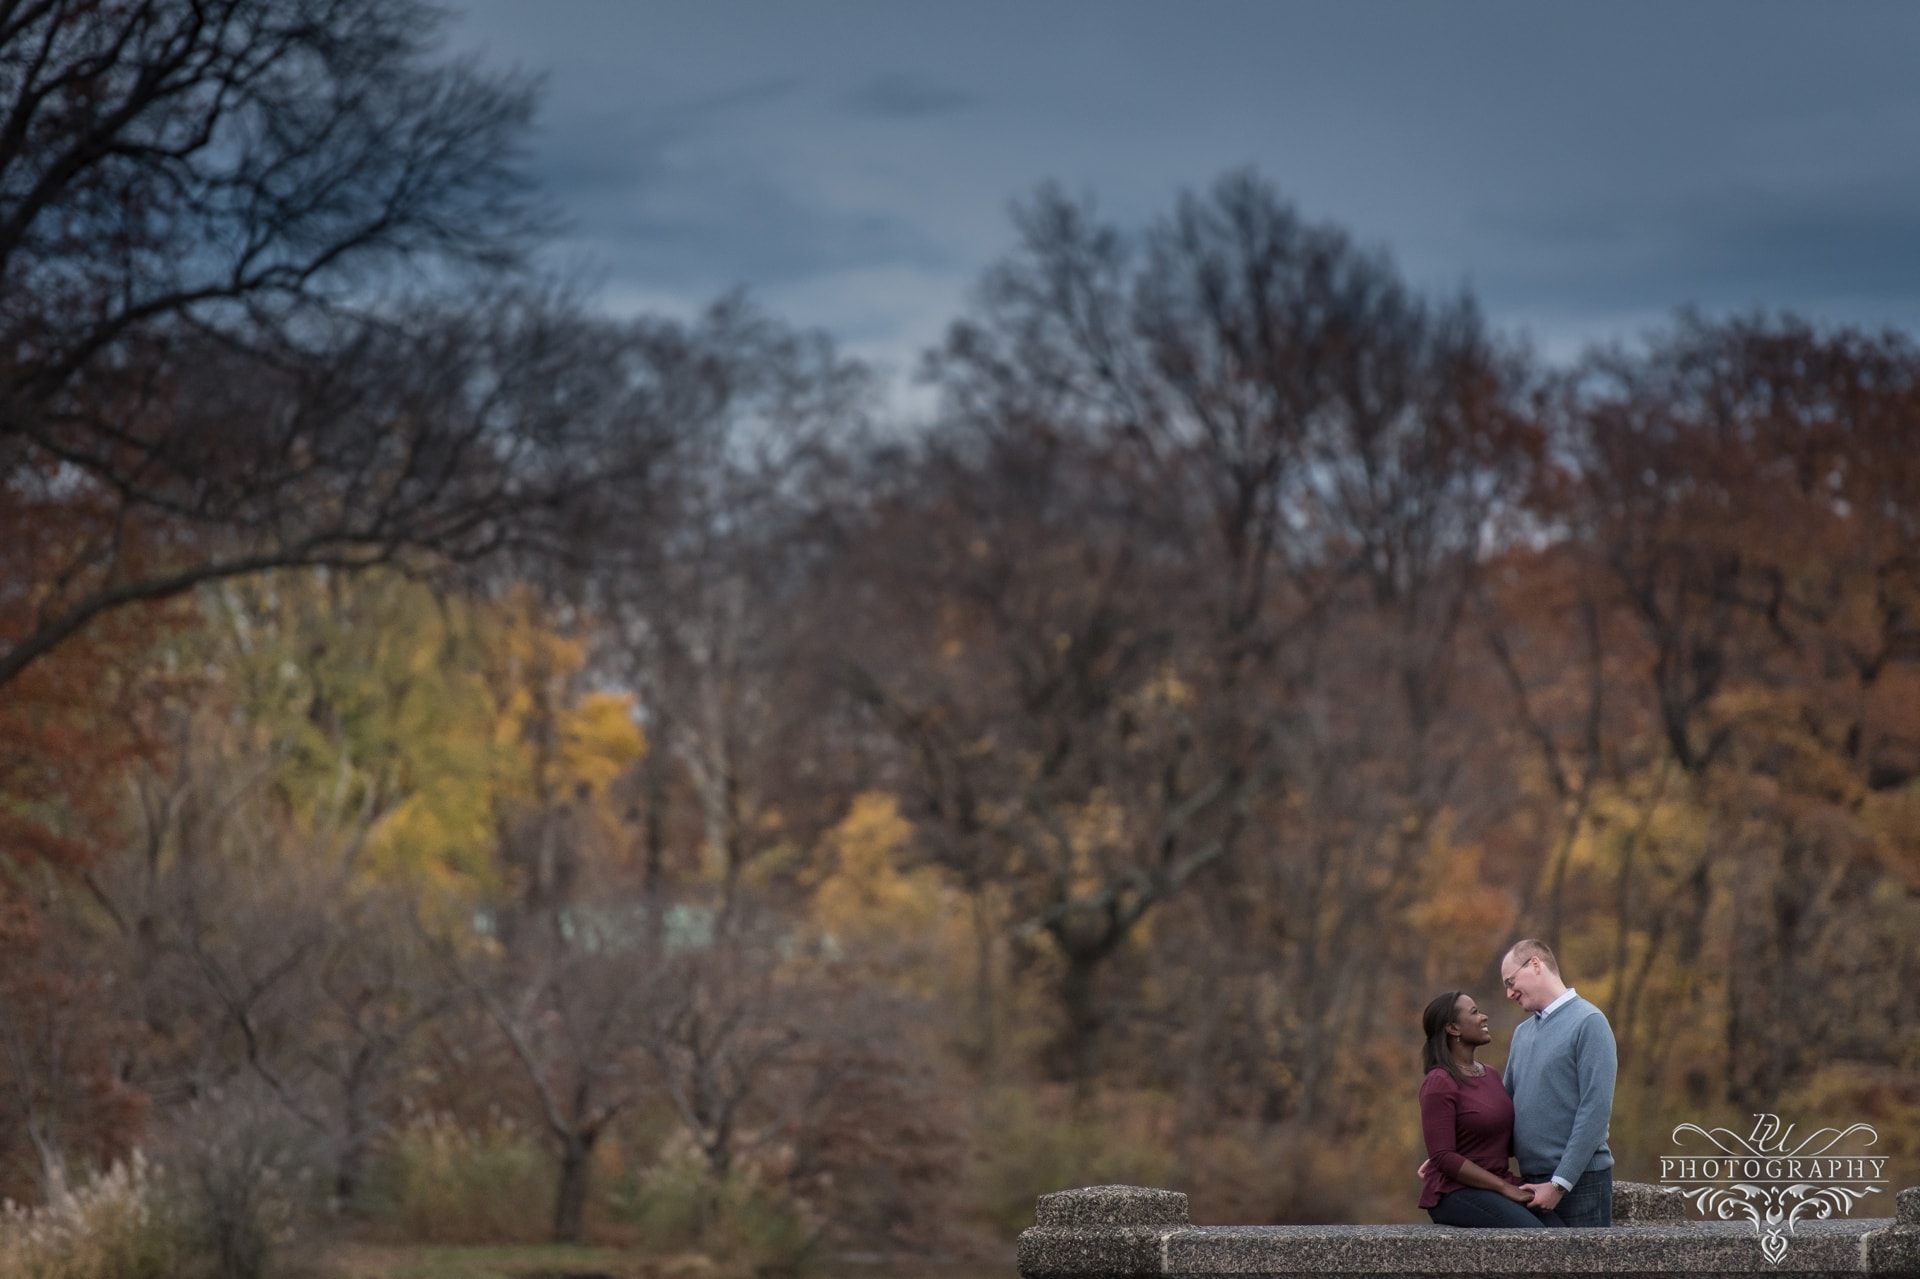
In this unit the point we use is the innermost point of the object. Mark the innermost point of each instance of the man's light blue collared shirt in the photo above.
(1565, 995)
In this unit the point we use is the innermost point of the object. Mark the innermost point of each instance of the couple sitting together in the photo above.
(1548, 1111)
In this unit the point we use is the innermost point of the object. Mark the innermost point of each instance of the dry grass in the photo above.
(123, 1225)
(517, 1261)
(554, 1261)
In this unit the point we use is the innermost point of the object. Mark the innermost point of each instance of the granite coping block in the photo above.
(1112, 1206)
(1635, 1203)
(1125, 1232)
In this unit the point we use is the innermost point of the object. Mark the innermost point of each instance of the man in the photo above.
(1560, 1072)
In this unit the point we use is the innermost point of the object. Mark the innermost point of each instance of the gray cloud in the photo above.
(904, 97)
(725, 229)
(587, 151)
(1821, 247)
(656, 209)
(674, 196)
(1583, 168)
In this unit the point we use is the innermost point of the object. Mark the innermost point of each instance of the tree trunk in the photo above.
(1083, 1022)
(569, 1208)
(985, 1041)
(359, 1122)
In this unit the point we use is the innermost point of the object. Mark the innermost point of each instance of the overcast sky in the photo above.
(1585, 169)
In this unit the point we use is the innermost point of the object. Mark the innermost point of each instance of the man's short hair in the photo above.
(1533, 948)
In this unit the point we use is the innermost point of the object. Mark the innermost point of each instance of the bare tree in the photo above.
(253, 958)
(705, 571)
(1197, 491)
(199, 203)
(170, 161)
(569, 1001)
(727, 1023)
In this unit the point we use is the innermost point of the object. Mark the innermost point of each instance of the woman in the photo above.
(1467, 1120)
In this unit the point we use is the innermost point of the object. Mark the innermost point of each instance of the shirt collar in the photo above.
(1565, 995)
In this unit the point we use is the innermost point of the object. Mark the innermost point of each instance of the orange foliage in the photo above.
(61, 1095)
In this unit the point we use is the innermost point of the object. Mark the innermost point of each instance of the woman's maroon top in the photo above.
(1464, 1120)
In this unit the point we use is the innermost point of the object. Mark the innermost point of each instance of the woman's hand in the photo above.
(1519, 1194)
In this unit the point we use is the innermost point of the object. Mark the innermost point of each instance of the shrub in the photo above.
(239, 1170)
(126, 1224)
(1290, 1174)
(1027, 1149)
(439, 1181)
(751, 1229)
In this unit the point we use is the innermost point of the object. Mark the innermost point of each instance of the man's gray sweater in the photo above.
(1560, 1072)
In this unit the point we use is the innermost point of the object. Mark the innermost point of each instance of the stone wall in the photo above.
(1127, 1232)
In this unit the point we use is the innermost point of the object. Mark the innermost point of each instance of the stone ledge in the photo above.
(1128, 1232)
(1707, 1249)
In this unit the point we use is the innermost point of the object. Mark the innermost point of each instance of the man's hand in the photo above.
(1546, 1194)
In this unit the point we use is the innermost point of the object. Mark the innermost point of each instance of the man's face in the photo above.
(1525, 982)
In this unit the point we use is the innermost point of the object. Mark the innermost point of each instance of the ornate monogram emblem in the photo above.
(1771, 1184)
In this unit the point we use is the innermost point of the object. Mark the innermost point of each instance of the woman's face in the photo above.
(1471, 1022)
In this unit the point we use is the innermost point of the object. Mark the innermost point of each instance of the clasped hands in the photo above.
(1541, 1196)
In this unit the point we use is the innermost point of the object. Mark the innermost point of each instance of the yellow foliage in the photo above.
(867, 904)
(865, 890)
(1168, 689)
(600, 739)
(422, 723)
